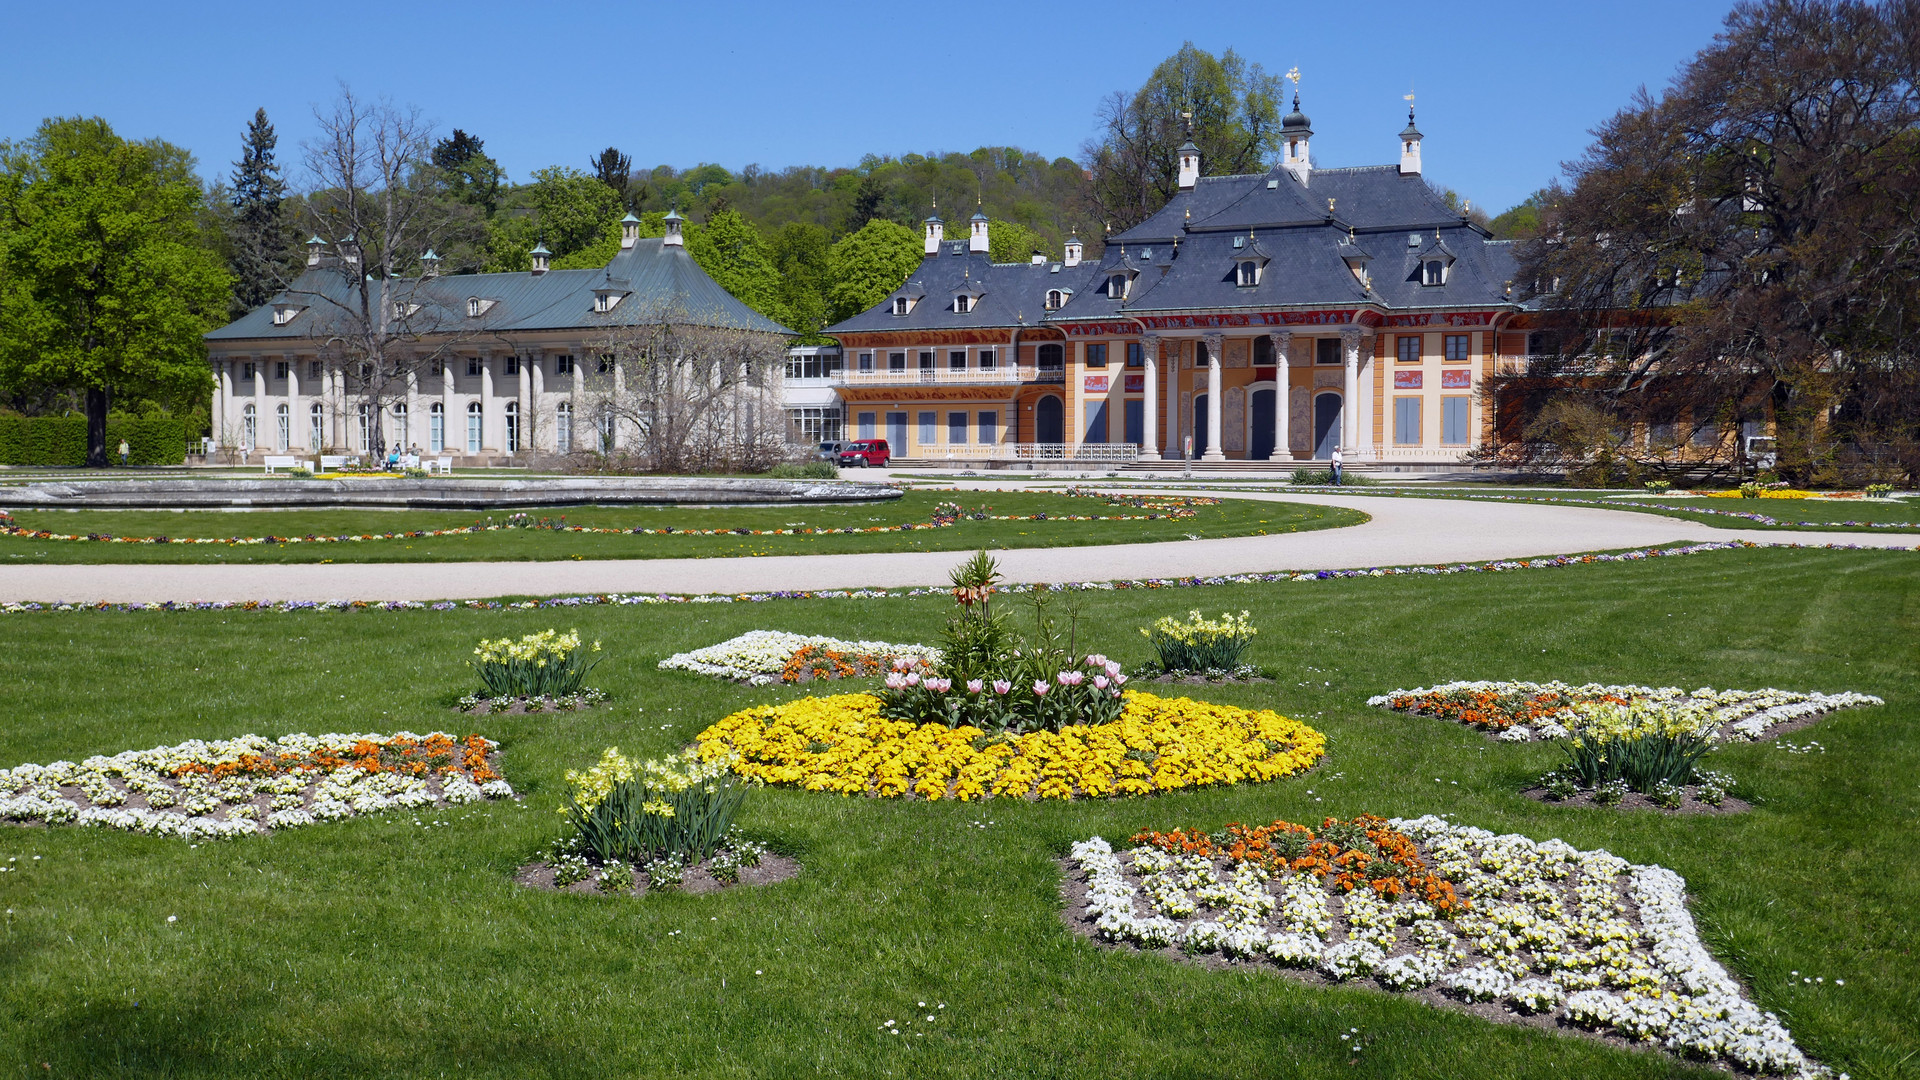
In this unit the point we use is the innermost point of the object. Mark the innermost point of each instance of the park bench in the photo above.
(443, 466)
(332, 462)
(282, 461)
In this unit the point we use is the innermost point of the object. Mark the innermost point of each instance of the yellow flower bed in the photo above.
(842, 744)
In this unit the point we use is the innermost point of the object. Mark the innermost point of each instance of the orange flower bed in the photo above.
(1365, 852)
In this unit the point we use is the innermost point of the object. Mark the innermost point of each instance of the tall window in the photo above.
(1406, 421)
(988, 431)
(313, 369)
(280, 370)
(1097, 420)
(512, 366)
(246, 371)
(1136, 428)
(929, 428)
(866, 361)
(1053, 299)
(1453, 421)
(1409, 346)
(605, 432)
(437, 428)
(249, 428)
(403, 431)
(1051, 357)
(957, 428)
(1458, 346)
(926, 360)
(985, 358)
(1249, 273)
(1436, 273)
(473, 428)
(900, 305)
(963, 303)
(513, 427)
(283, 428)
(1097, 354)
(366, 428)
(563, 427)
(1136, 355)
(956, 360)
(317, 419)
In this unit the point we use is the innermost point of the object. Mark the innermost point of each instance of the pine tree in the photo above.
(258, 234)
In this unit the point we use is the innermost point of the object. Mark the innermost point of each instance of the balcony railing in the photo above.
(1008, 375)
(1092, 453)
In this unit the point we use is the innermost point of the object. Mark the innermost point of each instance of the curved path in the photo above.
(1402, 531)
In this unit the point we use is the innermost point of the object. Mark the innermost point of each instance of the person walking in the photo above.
(125, 450)
(1336, 466)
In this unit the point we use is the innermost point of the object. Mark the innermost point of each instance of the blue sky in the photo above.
(1506, 91)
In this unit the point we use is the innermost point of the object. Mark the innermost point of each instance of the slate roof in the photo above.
(1011, 294)
(656, 281)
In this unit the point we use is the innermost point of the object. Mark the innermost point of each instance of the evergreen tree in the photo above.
(615, 170)
(472, 176)
(257, 233)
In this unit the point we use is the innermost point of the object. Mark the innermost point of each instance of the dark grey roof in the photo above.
(659, 282)
(1011, 294)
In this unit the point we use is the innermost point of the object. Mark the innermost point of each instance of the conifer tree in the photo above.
(257, 233)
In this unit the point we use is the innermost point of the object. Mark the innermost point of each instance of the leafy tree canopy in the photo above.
(472, 176)
(869, 264)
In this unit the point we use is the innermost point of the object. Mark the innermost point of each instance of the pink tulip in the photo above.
(1001, 686)
(974, 686)
(1039, 688)
(902, 663)
(1113, 667)
(913, 678)
(896, 681)
(1119, 679)
(1100, 681)
(939, 686)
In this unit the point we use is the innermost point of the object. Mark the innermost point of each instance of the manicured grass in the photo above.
(376, 947)
(1232, 517)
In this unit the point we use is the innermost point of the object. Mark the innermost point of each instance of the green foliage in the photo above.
(1198, 644)
(472, 177)
(735, 256)
(869, 264)
(1012, 242)
(106, 279)
(259, 239)
(546, 664)
(62, 440)
(1348, 478)
(574, 214)
(1642, 762)
(640, 811)
(1521, 222)
(805, 470)
(800, 258)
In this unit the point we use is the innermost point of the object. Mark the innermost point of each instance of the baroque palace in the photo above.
(1255, 317)
(490, 367)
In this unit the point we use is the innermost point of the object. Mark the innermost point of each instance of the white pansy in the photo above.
(1732, 714)
(759, 656)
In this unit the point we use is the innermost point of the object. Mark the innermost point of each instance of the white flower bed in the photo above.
(252, 784)
(1547, 929)
(759, 656)
(1742, 714)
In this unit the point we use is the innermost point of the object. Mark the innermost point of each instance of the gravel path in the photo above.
(1401, 532)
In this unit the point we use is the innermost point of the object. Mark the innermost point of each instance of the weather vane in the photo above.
(1294, 74)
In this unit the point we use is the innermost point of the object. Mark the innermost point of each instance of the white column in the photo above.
(262, 416)
(1367, 394)
(1215, 437)
(453, 423)
(296, 438)
(1150, 405)
(1174, 419)
(527, 426)
(488, 409)
(1350, 398)
(539, 387)
(620, 395)
(416, 420)
(1282, 396)
(222, 401)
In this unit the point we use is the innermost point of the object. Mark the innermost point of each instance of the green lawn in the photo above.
(378, 947)
(1232, 517)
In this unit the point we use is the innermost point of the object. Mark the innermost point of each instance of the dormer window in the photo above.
(286, 313)
(605, 300)
(1249, 272)
(963, 303)
(901, 305)
(1435, 272)
(1117, 286)
(477, 307)
(404, 308)
(1053, 299)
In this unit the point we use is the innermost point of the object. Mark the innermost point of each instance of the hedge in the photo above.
(62, 440)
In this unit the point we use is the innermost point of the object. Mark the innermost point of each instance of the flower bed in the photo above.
(1582, 938)
(484, 705)
(842, 744)
(761, 657)
(1520, 711)
(252, 784)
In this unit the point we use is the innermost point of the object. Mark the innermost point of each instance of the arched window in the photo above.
(513, 427)
(403, 430)
(249, 428)
(473, 307)
(1052, 357)
(437, 428)
(283, 427)
(1436, 272)
(1117, 286)
(901, 305)
(1053, 299)
(473, 428)
(563, 428)
(316, 428)
(963, 304)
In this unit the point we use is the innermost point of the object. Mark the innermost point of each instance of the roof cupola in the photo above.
(1295, 131)
(1410, 144)
(1075, 252)
(673, 237)
(316, 247)
(977, 240)
(936, 230)
(429, 264)
(540, 256)
(629, 230)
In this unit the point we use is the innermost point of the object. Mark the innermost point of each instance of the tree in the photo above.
(800, 259)
(1745, 245)
(864, 267)
(257, 233)
(384, 204)
(737, 259)
(615, 170)
(1234, 110)
(472, 177)
(1522, 222)
(105, 281)
(1010, 241)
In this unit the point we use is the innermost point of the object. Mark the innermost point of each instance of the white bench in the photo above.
(277, 461)
(443, 466)
(331, 462)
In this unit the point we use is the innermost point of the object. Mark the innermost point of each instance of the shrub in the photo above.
(1201, 644)
(62, 440)
(804, 470)
(1349, 478)
(1642, 745)
(1879, 491)
(547, 664)
(1658, 487)
(649, 811)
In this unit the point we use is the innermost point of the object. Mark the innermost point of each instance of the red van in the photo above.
(865, 452)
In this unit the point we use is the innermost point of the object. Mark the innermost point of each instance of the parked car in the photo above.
(829, 450)
(865, 452)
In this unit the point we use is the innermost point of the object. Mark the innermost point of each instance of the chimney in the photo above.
(540, 255)
(1189, 165)
(1295, 131)
(1410, 147)
(1039, 258)
(629, 231)
(936, 230)
(429, 265)
(315, 248)
(673, 237)
(1074, 251)
(977, 242)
